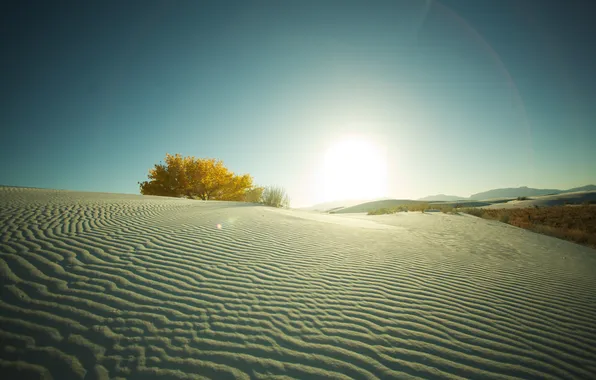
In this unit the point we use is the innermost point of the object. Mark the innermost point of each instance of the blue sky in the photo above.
(463, 96)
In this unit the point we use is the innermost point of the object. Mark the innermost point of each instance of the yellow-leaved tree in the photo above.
(204, 178)
(254, 195)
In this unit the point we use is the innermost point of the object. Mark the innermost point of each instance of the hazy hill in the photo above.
(513, 192)
(582, 188)
(441, 197)
(374, 205)
(326, 206)
(349, 206)
(524, 191)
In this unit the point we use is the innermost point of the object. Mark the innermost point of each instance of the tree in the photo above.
(192, 177)
(254, 195)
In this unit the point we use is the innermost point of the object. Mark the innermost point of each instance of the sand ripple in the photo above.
(98, 286)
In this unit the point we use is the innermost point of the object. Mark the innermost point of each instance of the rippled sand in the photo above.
(99, 286)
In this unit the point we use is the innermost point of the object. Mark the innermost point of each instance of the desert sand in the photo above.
(98, 286)
(578, 197)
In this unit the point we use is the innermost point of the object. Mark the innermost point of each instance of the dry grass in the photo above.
(418, 207)
(573, 223)
(447, 209)
(382, 211)
(275, 196)
(399, 208)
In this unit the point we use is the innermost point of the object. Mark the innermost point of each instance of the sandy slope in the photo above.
(549, 200)
(106, 285)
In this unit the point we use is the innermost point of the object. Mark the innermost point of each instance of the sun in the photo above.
(354, 168)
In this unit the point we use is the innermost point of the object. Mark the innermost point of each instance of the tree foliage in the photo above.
(191, 177)
(254, 195)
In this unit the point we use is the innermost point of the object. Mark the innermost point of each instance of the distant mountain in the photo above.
(583, 188)
(374, 205)
(525, 191)
(350, 206)
(441, 197)
(326, 206)
(513, 192)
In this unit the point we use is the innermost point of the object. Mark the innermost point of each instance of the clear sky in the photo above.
(460, 96)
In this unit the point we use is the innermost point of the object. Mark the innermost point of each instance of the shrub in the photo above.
(382, 211)
(275, 196)
(447, 209)
(474, 211)
(402, 208)
(195, 178)
(522, 198)
(418, 207)
(571, 234)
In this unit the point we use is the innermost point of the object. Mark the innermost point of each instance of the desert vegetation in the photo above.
(254, 195)
(207, 179)
(190, 177)
(423, 207)
(573, 223)
(275, 196)
(576, 223)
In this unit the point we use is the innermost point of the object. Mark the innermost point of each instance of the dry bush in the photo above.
(418, 207)
(574, 223)
(275, 196)
(479, 212)
(400, 208)
(447, 209)
(381, 211)
(571, 234)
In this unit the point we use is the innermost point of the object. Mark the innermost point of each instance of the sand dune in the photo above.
(549, 200)
(98, 286)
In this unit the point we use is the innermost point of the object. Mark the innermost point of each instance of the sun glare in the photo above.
(354, 168)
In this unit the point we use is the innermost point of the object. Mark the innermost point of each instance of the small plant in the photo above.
(379, 211)
(447, 209)
(275, 196)
(522, 198)
(418, 207)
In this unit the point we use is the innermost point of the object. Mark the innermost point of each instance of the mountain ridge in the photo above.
(507, 192)
(524, 191)
(441, 197)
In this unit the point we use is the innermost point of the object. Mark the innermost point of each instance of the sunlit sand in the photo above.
(98, 286)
